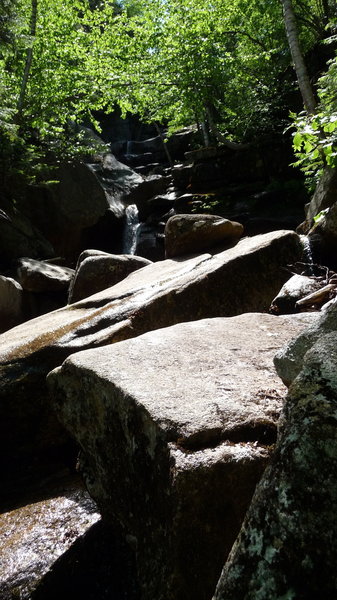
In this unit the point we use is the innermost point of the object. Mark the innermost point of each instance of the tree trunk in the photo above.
(29, 58)
(300, 68)
(220, 137)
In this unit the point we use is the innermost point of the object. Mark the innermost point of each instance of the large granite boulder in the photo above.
(19, 237)
(11, 303)
(287, 547)
(175, 428)
(244, 278)
(187, 234)
(96, 271)
(289, 360)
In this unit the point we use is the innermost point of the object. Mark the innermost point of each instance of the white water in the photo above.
(307, 255)
(130, 231)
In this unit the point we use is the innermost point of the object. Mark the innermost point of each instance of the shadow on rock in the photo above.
(98, 566)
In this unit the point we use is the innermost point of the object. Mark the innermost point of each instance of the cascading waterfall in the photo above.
(130, 231)
(307, 254)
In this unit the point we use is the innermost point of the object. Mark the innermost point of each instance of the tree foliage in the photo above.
(219, 63)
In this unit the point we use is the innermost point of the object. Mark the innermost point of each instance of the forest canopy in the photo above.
(223, 64)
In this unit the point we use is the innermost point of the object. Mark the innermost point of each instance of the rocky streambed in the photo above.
(174, 427)
(157, 383)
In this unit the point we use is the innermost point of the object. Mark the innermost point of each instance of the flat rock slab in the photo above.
(242, 279)
(176, 427)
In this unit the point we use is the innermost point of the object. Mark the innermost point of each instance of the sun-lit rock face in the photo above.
(244, 278)
(187, 234)
(176, 427)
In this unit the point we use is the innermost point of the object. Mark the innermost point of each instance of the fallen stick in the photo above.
(318, 296)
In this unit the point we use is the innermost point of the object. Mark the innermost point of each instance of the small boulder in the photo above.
(188, 234)
(96, 271)
(11, 305)
(41, 276)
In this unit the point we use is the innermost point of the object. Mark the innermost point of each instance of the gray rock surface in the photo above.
(325, 194)
(96, 271)
(11, 303)
(174, 439)
(244, 278)
(187, 234)
(41, 276)
(287, 547)
(289, 360)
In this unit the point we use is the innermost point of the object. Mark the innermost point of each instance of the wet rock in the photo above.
(289, 360)
(287, 547)
(293, 290)
(33, 537)
(244, 278)
(40, 276)
(188, 234)
(183, 439)
(96, 271)
(11, 303)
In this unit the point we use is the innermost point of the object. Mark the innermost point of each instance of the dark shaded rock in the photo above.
(258, 225)
(294, 289)
(181, 175)
(40, 276)
(19, 237)
(117, 180)
(98, 566)
(151, 186)
(66, 211)
(187, 234)
(151, 241)
(11, 303)
(96, 271)
(323, 237)
(287, 547)
(183, 439)
(157, 205)
(242, 279)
